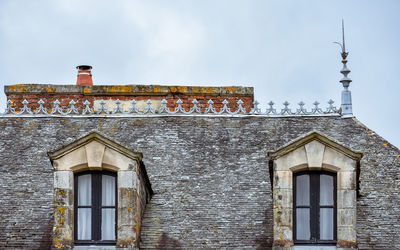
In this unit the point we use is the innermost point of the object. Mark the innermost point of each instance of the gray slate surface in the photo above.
(209, 175)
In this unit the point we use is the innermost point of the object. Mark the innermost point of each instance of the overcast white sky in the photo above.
(282, 48)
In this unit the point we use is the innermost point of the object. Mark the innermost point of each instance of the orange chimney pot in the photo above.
(84, 75)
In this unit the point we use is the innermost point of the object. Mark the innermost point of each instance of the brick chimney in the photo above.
(84, 75)
(45, 95)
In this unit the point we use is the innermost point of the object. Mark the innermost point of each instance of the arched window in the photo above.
(95, 207)
(314, 210)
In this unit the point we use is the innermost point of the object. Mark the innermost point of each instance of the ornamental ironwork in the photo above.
(176, 108)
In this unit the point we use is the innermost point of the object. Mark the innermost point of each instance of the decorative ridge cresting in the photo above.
(164, 109)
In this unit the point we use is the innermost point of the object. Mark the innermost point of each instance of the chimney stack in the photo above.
(84, 75)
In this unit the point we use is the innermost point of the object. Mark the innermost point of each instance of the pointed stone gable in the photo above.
(95, 152)
(316, 152)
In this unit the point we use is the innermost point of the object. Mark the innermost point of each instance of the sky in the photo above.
(283, 48)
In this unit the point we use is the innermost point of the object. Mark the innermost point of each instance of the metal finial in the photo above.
(347, 109)
(344, 45)
(345, 71)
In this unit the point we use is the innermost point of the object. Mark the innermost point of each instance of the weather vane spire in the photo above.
(344, 46)
(347, 109)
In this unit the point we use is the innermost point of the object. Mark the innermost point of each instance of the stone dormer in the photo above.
(96, 154)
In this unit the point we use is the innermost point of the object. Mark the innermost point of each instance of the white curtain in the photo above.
(84, 214)
(326, 190)
(303, 214)
(326, 214)
(326, 223)
(303, 224)
(84, 223)
(108, 224)
(108, 190)
(84, 190)
(108, 214)
(303, 190)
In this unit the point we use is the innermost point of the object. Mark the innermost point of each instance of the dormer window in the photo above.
(314, 207)
(314, 193)
(95, 207)
(100, 192)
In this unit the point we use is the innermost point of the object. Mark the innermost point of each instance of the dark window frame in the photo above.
(315, 208)
(96, 208)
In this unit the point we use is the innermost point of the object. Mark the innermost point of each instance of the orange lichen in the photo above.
(283, 243)
(208, 90)
(119, 89)
(61, 210)
(18, 87)
(126, 243)
(182, 89)
(230, 89)
(62, 243)
(22, 88)
(58, 245)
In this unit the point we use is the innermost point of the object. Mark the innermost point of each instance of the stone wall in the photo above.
(125, 93)
(209, 175)
(144, 195)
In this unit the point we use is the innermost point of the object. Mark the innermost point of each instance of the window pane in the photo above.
(108, 190)
(303, 190)
(326, 223)
(85, 190)
(326, 190)
(303, 224)
(84, 223)
(108, 224)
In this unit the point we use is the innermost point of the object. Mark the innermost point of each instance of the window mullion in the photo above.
(314, 199)
(335, 207)
(99, 203)
(93, 207)
(96, 194)
(318, 208)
